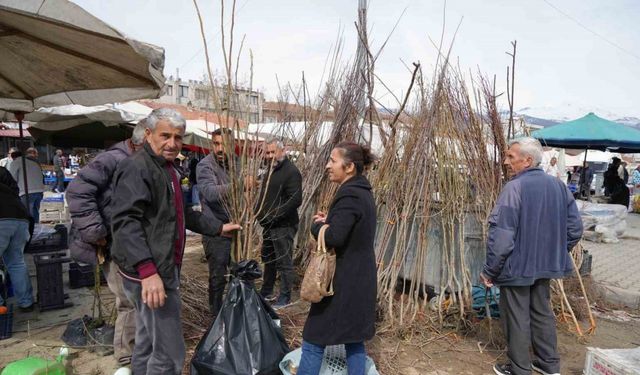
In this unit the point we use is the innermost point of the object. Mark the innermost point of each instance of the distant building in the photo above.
(283, 112)
(243, 104)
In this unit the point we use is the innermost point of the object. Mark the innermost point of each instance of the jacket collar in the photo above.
(359, 181)
(278, 164)
(158, 159)
(528, 171)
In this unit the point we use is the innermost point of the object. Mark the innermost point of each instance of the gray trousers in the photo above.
(159, 347)
(125, 329)
(277, 250)
(528, 320)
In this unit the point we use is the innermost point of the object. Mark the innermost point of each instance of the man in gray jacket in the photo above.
(58, 168)
(532, 228)
(89, 196)
(35, 180)
(214, 184)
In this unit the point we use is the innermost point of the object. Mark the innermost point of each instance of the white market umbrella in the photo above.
(54, 53)
(69, 116)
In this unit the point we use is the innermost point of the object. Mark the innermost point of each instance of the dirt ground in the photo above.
(419, 349)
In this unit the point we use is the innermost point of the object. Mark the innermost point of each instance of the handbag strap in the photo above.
(322, 246)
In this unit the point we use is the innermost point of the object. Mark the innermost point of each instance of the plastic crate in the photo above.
(612, 361)
(83, 275)
(6, 324)
(50, 285)
(49, 242)
(334, 362)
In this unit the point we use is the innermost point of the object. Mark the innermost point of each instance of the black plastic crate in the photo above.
(6, 323)
(49, 276)
(83, 275)
(50, 242)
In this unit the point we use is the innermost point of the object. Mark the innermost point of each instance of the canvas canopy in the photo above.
(55, 53)
(590, 132)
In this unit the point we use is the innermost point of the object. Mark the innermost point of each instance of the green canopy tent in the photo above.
(590, 132)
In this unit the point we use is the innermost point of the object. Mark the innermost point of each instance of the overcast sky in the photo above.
(585, 52)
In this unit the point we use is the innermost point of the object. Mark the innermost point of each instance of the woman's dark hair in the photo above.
(360, 156)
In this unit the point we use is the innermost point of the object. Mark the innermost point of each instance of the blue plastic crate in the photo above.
(6, 324)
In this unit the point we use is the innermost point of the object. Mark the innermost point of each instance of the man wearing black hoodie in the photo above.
(280, 197)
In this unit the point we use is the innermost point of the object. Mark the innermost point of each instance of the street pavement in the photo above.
(616, 267)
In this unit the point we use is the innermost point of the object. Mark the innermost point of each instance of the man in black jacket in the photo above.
(148, 225)
(280, 197)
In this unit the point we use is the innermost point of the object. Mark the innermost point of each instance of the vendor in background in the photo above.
(625, 172)
(552, 168)
(635, 177)
(58, 168)
(89, 197)
(586, 178)
(6, 162)
(280, 197)
(614, 183)
(35, 180)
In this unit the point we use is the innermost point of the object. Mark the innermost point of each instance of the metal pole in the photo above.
(20, 117)
(582, 175)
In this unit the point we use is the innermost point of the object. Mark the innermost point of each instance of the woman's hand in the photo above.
(320, 217)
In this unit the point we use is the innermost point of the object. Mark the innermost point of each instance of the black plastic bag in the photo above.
(244, 339)
(86, 331)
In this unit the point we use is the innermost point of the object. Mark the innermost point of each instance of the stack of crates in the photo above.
(53, 208)
(48, 248)
(51, 294)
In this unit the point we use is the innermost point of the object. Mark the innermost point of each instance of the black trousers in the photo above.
(277, 250)
(528, 320)
(218, 253)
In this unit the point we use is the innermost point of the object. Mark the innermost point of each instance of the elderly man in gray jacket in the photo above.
(90, 196)
(532, 228)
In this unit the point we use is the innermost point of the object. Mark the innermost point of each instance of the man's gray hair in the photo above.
(174, 118)
(137, 138)
(278, 142)
(529, 147)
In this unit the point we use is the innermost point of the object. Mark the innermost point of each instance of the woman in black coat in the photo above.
(347, 317)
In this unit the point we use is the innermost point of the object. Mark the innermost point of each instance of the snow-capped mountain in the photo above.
(547, 116)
